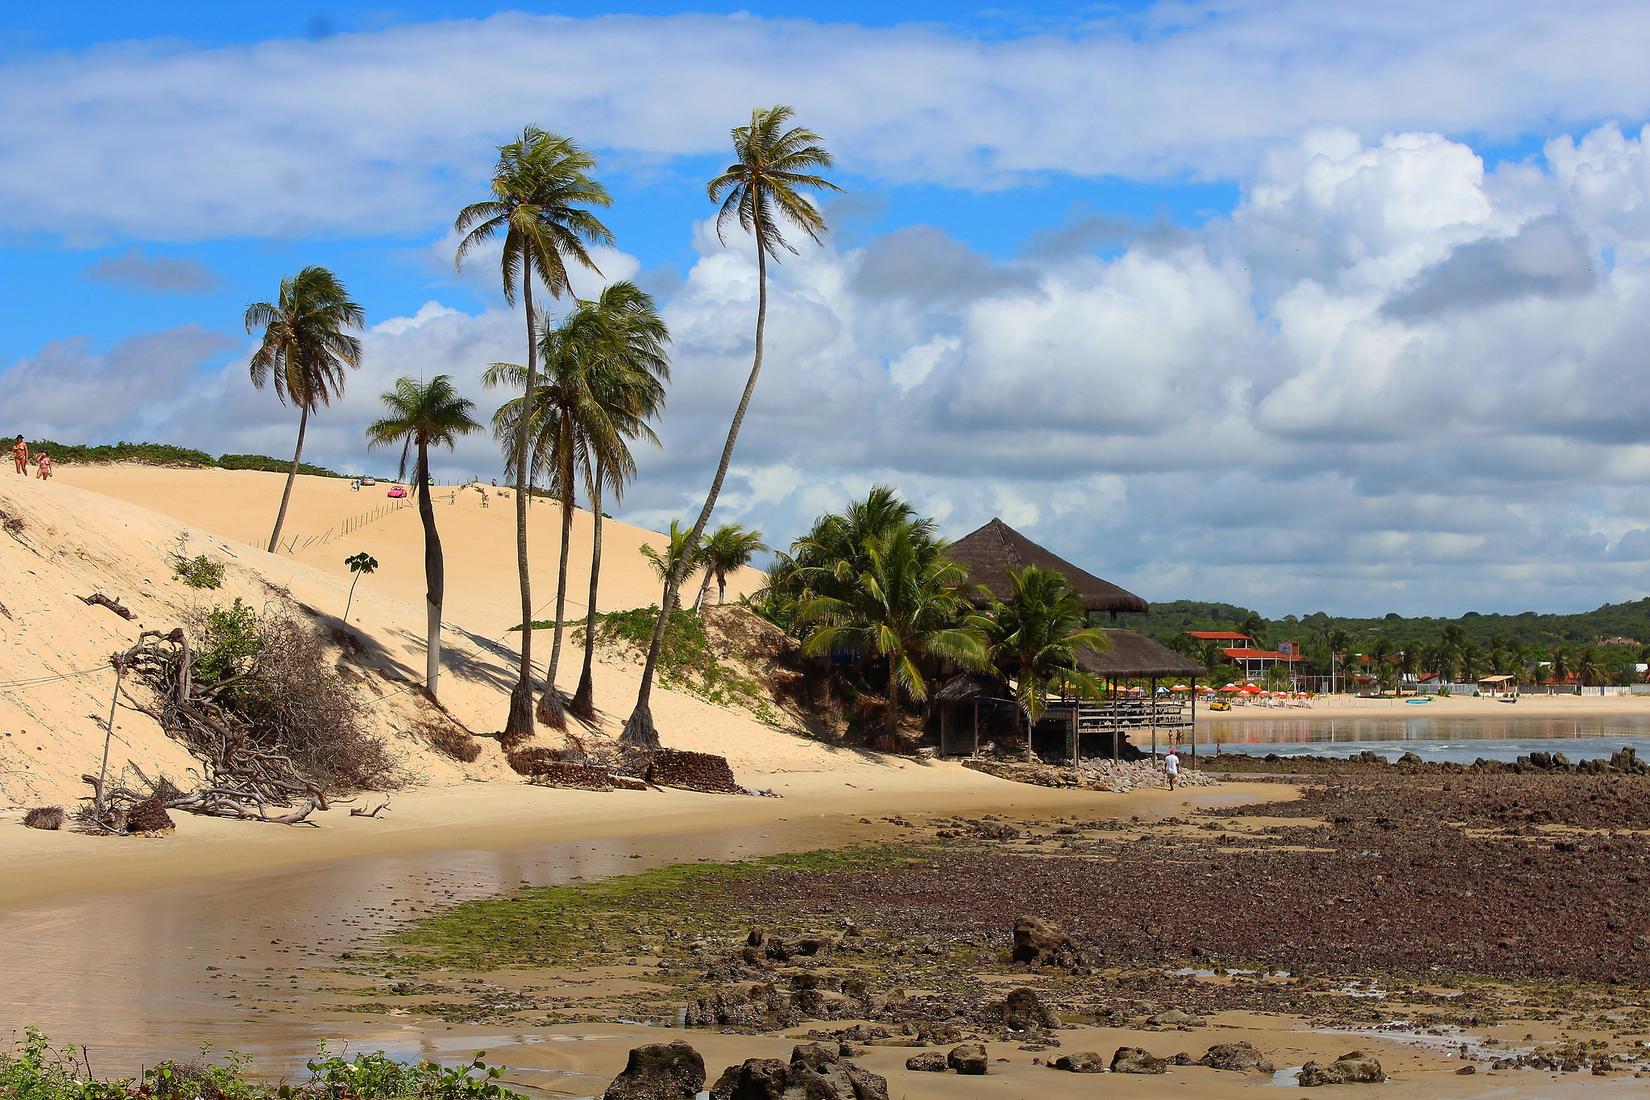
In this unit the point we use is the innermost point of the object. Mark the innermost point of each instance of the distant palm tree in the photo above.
(1589, 668)
(679, 558)
(1338, 643)
(542, 190)
(761, 191)
(909, 602)
(421, 415)
(1036, 636)
(1559, 665)
(1254, 626)
(305, 352)
(1380, 654)
(728, 549)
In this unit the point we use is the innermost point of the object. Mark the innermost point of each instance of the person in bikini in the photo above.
(20, 455)
(43, 466)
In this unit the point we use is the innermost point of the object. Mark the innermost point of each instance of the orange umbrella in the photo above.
(1251, 689)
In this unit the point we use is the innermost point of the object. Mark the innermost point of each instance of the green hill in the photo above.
(166, 454)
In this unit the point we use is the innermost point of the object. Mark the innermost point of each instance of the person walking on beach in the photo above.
(1171, 765)
(20, 455)
(43, 466)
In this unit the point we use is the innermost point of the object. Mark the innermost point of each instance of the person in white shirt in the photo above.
(1171, 764)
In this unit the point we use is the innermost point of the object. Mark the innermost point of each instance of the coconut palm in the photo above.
(729, 548)
(1036, 636)
(1254, 626)
(1338, 641)
(305, 352)
(909, 602)
(421, 415)
(678, 558)
(822, 562)
(627, 381)
(763, 191)
(542, 191)
(1589, 667)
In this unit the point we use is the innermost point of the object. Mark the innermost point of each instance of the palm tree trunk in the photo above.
(639, 730)
(435, 579)
(291, 476)
(721, 590)
(519, 726)
(584, 698)
(893, 699)
(704, 587)
(552, 710)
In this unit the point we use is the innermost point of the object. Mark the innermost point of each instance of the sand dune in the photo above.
(87, 532)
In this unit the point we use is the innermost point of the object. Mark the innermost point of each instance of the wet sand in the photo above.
(109, 940)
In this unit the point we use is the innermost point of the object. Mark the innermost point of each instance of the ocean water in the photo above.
(1461, 740)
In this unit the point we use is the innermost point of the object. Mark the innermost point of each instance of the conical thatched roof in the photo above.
(995, 549)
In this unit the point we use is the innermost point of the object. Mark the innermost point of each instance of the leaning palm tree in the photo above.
(542, 189)
(305, 352)
(909, 602)
(421, 415)
(729, 548)
(678, 558)
(762, 191)
(1036, 637)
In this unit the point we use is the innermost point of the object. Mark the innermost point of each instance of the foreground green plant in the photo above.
(34, 1070)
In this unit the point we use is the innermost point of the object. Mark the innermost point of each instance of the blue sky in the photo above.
(1292, 304)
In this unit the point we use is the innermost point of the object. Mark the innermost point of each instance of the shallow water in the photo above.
(1461, 740)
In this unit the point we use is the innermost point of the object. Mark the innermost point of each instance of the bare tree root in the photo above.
(241, 779)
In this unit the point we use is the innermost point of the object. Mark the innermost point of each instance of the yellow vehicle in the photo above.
(1221, 704)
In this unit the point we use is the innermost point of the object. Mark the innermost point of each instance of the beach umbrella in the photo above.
(1251, 689)
(1230, 689)
(1180, 687)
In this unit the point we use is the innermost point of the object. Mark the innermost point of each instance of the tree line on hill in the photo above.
(1592, 648)
(167, 454)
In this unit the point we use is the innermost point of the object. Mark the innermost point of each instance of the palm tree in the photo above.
(1380, 654)
(1589, 668)
(542, 189)
(1560, 664)
(729, 548)
(305, 352)
(583, 416)
(627, 382)
(1338, 641)
(421, 415)
(762, 190)
(1254, 626)
(910, 601)
(1035, 638)
(678, 558)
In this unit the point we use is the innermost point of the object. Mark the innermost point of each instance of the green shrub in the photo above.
(272, 465)
(32, 1070)
(148, 454)
(199, 571)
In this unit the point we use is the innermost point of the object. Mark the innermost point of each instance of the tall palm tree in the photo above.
(542, 191)
(305, 352)
(728, 549)
(909, 602)
(1338, 642)
(762, 191)
(421, 415)
(1254, 626)
(1589, 668)
(1036, 636)
(627, 381)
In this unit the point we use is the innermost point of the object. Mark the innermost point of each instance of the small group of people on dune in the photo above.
(42, 461)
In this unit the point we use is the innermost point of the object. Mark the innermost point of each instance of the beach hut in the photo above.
(963, 702)
(1133, 656)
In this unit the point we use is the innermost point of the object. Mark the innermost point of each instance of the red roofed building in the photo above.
(1241, 650)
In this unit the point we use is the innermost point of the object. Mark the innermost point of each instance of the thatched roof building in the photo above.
(1135, 657)
(991, 552)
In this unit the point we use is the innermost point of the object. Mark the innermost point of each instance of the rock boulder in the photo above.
(659, 1071)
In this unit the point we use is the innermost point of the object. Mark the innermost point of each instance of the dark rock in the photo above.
(1084, 1061)
(754, 1079)
(1240, 1057)
(659, 1071)
(1037, 941)
(1137, 1060)
(1023, 1010)
(967, 1059)
(929, 1061)
(817, 1071)
(1352, 1068)
(1174, 1018)
(1466, 1071)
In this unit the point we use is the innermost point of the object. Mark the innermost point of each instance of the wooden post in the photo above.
(1154, 719)
(1194, 719)
(1116, 734)
(976, 727)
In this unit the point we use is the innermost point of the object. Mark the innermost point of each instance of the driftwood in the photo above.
(241, 779)
(116, 606)
(374, 812)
